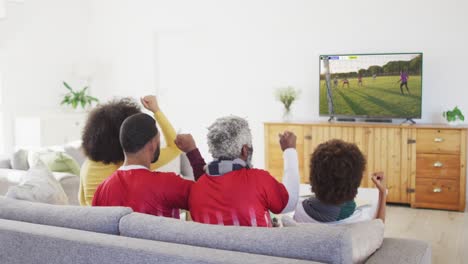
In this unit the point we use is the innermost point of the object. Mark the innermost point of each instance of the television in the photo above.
(376, 86)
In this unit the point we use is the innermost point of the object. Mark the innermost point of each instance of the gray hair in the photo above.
(226, 137)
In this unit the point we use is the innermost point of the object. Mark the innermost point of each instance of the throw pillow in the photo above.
(55, 161)
(75, 150)
(19, 160)
(39, 185)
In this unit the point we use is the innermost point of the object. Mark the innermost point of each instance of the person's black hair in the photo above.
(336, 169)
(101, 133)
(136, 131)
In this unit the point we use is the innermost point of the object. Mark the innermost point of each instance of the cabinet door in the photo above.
(388, 150)
(273, 152)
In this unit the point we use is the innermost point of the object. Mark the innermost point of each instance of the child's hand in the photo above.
(379, 180)
(287, 140)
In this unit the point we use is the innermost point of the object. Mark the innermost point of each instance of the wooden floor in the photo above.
(446, 231)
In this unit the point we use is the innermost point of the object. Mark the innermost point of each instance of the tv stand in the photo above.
(409, 120)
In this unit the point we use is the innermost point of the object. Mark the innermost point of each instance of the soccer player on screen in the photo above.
(404, 81)
(359, 78)
(335, 82)
(345, 81)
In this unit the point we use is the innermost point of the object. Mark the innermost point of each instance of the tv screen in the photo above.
(371, 85)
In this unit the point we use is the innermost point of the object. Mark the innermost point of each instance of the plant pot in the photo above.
(455, 123)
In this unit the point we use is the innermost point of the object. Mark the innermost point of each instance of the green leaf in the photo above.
(67, 86)
(74, 104)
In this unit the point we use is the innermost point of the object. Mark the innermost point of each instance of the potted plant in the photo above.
(77, 98)
(287, 96)
(454, 117)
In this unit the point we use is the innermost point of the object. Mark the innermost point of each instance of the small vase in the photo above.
(287, 116)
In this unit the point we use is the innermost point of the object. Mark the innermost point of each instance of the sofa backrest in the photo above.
(313, 242)
(95, 219)
(31, 243)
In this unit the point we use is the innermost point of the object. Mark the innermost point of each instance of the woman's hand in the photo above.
(151, 103)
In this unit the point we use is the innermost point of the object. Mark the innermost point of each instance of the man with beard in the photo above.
(232, 192)
(133, 184)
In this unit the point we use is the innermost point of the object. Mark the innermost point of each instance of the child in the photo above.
(336, 170)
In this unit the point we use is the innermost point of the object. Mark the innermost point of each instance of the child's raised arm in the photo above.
(379, 180)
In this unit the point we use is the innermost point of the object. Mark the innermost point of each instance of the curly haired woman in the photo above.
(102, 147)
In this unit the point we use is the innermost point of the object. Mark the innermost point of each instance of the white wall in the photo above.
(211, 58)
(41, 43)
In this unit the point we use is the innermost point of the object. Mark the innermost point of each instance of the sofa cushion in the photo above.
(402, 251)
(5, 161)
(366, 236)
(312, 242)
(95, 219)
(55, 160)
(70, 184)
(75, 150)
(39, 185)
(9, 178)
(19, 160)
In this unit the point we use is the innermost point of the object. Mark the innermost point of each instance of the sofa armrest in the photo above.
(5, 162)
(402, 251)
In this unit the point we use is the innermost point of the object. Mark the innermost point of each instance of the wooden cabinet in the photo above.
(440, 169)
(424, 165)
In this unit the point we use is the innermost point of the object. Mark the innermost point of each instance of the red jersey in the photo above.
(148, 192)
(241, 197)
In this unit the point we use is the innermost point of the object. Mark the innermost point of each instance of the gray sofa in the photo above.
(42, 233)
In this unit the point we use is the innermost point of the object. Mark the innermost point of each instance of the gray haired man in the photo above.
(232, 192)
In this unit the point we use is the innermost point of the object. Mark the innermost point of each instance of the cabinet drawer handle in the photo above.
(438, 139)
(437, 190)
(438, 164)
